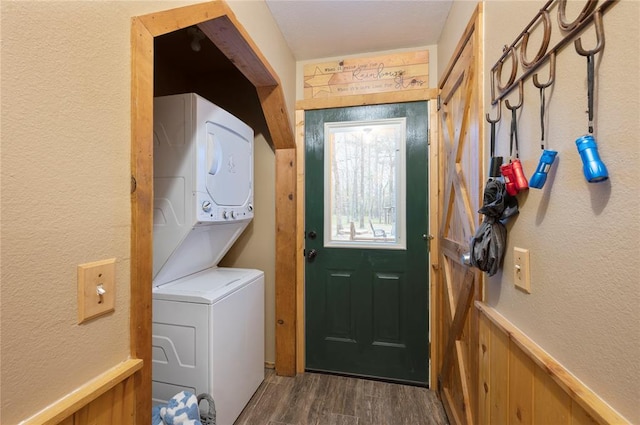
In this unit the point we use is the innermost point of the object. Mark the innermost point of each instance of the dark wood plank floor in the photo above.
(321, 399)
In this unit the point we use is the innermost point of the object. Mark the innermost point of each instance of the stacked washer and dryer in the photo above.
(208, 321)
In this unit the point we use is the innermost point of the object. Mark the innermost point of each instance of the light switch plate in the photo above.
(521, 269)
(96, 289)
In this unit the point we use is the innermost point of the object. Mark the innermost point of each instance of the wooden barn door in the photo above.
(461, 181)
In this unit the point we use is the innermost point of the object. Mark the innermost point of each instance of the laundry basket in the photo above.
(208, 418)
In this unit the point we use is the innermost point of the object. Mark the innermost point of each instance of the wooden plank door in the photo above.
(461, 181)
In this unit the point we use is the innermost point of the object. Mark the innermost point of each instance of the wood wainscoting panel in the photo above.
(521, 374)
(107, 400)
(553, 405)
(498, 377)
(519, 383)
(116, 406)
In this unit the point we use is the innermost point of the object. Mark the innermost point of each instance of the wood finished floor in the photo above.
(321, 399)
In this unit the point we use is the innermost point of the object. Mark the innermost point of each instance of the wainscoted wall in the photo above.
(583, 237)
(107, 400)
(521, 384)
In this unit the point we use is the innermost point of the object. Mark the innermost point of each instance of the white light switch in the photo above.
(521, 269)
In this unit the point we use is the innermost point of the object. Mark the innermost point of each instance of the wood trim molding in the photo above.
(367, 99)
(594, 406)
(286, 178)
(141, 210)
(75, 401)
(434, 241)
(300, 258)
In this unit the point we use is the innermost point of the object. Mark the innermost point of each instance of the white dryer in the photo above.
(208, 322)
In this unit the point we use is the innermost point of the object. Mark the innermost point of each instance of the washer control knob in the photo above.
(250, 207)
(206, 206)
(233, 214)
(225, 214)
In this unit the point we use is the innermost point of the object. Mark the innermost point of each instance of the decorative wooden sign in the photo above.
(395, 72)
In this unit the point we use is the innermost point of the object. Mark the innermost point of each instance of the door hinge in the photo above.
(438, 102)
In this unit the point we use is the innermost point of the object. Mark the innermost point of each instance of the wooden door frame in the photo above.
(218, 22)
(433, 205)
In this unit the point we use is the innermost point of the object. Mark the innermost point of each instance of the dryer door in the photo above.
(229, 166)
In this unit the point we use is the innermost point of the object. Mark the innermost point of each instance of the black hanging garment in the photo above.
(489, 242)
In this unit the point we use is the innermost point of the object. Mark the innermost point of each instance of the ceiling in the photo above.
(326, 28)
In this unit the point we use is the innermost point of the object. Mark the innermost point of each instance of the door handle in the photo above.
(312, 234)
(311, 255)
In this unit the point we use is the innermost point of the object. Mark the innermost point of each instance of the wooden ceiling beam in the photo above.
(232, 40)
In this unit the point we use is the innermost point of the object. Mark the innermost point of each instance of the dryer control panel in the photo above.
(209, 211)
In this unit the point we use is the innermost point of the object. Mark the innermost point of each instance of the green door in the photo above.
(366, 278)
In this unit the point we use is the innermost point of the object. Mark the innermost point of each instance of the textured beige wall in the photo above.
(65, 185)
(65, 194)
(584, 238)
(256, 246)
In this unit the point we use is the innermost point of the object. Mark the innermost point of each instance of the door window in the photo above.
(364, 184)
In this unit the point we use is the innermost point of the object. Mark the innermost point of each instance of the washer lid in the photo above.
(207, 286)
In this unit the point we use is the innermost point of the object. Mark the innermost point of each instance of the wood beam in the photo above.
(286, 179)
(300, 258)
(166, 21)
(232, 40)
(141, 212)
(276, 116)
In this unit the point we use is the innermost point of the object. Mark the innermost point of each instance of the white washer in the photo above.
(208, 322)
(208, 337)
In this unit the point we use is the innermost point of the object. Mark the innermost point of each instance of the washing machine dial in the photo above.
(233, 214)
(225, 214)
(206, 206)
(250, 207)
